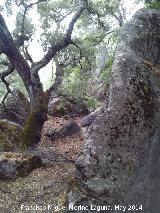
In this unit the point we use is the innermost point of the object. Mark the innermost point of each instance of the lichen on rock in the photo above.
(119, 162)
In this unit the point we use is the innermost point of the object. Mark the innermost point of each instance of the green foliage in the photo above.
(52, 14)
(155, 4)
(91, 102)
(93, 28)
(75, 83)
(29, 28)
(10, 5)
(105, 74)
(92, 25)
(16, 82)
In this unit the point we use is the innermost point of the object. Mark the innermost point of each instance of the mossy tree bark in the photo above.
(31, 133)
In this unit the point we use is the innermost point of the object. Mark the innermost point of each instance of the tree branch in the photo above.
(53, 50)
(59, 78)
(8, 47)
(27, 55)
(3, 75)
(26, 8)
(20, 40)
(80, 51)
(8, 91)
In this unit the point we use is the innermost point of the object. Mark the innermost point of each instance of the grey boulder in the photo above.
(120, 161)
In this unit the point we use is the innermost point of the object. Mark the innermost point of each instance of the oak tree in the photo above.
(57, 36)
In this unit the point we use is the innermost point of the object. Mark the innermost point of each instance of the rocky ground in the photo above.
(45, 188)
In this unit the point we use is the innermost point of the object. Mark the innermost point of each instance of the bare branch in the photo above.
(72, 23)
(22, 37)
(60, 73)
(119, 14)
(6, 83)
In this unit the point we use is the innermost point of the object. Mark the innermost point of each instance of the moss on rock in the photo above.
(9, 135)
(13, 165)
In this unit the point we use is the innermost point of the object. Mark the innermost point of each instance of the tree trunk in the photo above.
(29, 74)
(31, 134)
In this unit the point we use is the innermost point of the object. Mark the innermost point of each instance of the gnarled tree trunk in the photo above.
(31, 134)
(29, 75)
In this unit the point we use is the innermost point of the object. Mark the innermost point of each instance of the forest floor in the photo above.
(45, 188)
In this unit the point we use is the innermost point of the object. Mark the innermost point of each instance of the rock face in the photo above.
(120, 161)
(17, 108)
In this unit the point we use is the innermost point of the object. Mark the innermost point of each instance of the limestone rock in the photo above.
(120, 161)
(17, 108)
(13, 165)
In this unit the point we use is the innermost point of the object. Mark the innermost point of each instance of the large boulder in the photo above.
(16, 108)
(9, 135)
(69, 129)
(120, 161)
(61, 106)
